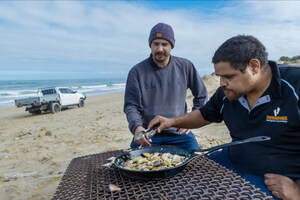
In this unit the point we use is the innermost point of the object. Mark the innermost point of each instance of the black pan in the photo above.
(169, 172)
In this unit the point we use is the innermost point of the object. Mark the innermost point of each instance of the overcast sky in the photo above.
(94, 39)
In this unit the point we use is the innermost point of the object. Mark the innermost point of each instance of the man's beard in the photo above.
(231, 95)
(160, 59)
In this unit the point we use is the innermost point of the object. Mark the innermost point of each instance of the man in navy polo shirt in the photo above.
(256, 97)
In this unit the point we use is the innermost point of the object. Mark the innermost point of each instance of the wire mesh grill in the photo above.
(85, 178)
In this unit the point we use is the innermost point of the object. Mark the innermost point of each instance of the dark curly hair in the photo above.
(239, 50)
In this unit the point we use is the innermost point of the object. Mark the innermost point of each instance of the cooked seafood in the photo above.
(113, 188)
(111, 159)
(154, 161)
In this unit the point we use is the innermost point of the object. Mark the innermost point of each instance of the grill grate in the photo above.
(85, 178)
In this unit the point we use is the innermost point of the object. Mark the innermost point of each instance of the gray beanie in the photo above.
(162, 31)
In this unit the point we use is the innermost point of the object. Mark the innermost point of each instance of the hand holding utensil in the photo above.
(148, 133)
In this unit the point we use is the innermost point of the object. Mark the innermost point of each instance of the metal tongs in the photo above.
(148, 133)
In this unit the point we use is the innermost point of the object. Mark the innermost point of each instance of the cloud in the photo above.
(109, 37)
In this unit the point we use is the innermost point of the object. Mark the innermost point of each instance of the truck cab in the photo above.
(68, 96)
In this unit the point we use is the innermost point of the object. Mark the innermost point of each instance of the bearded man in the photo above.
(158, 86)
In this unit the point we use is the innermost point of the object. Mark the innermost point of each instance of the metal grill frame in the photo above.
(86, 178)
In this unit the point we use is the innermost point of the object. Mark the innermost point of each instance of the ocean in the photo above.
(18, 89)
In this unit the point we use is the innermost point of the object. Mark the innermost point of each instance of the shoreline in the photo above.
(36, 149)
(89, 95)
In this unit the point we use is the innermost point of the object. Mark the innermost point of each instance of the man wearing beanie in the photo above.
(157, 86)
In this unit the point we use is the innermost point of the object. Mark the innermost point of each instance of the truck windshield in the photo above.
(66, 91)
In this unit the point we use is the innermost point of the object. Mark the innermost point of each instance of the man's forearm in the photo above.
(190, 120)
(133, 118)
(199, 102)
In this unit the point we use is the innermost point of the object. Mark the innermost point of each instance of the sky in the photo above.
(94, 39)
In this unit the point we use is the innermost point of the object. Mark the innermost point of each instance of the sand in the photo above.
(36, 149)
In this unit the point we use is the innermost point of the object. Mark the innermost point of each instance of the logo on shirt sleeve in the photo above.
(276, 117)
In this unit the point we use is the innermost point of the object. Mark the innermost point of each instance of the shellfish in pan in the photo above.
(154, 161)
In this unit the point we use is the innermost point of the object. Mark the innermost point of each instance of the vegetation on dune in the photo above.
(288, 60)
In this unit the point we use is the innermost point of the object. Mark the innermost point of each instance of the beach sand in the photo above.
(36, 149)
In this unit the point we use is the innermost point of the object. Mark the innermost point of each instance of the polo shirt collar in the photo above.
(272, 92)
(274, 89)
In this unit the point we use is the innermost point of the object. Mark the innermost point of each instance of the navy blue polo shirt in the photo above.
(276, 114)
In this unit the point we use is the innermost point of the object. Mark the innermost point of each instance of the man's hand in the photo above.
(282, 187)
(162, 121)
(183, 131)
(143, 141)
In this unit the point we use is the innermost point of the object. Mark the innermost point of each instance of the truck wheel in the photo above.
(81, 103)
(55, 108)
(37, 112)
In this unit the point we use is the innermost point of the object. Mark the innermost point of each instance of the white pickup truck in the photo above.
(52, 99)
